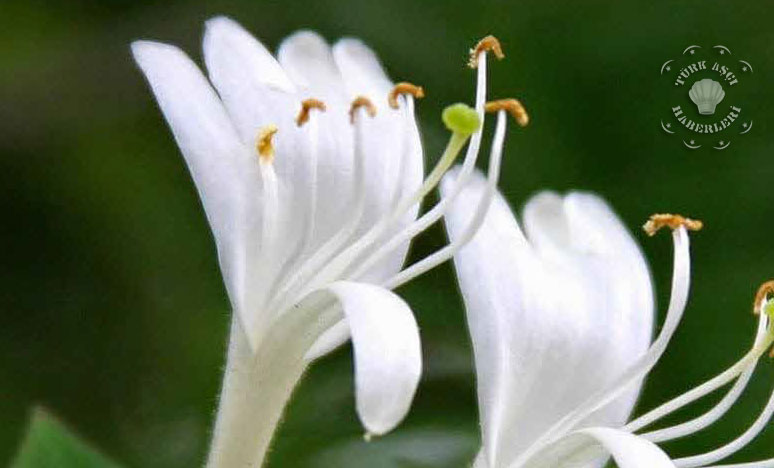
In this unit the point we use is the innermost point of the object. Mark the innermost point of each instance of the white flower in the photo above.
(312, 202)
(561, 318)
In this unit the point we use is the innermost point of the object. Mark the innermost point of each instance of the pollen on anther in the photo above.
(404, 88)
(512, 106)
(306, 108)
(487, 44)
(764, 291)
(361, 101)
(672, 221)
(264, 144)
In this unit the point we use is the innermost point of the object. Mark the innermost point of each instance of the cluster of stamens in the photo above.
(347, 255)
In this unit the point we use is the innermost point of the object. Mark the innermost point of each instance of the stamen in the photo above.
(487, 44)
(370, 238)
(764, 291)
(735, 445)
(512, 106)
(476, 220)
(672, 221)
(404, 88)
(744, 368)
(297, 286)
(361, 101)
(306, 107)
(264, 144)
(307, 230)
(343, 261)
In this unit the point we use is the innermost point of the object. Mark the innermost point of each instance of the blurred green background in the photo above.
(113, 312)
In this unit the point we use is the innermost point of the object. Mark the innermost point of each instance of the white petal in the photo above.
(388, 360)
(257, 92)
(628, 450)
(242, 56)
(362, 72)
(330, 340)
(308, 60)
(552, 318)
(392, 144)
(490, 289)
(222, 168)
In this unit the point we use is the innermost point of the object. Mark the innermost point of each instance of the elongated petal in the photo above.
(394, 162)
(258, 382)
(553, 317)
(257, 93)
(308, 61)
(225, 174)
(363, 73)
(388, 360)
(248, 59)
(334, 337)
(628, 450)
(581, 229)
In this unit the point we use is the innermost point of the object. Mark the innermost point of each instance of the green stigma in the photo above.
(461, 118)
(768, 309)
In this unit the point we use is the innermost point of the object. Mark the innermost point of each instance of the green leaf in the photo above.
(50, 444)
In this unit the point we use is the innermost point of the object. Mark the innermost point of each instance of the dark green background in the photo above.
(113, 311)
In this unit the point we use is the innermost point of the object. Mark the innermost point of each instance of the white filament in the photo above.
(476, 221)
(318, 260)
(311, 131)
(708, 418)
(373, 236)
(269, 219)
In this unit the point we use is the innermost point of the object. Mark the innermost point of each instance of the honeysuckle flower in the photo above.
(561, 317)
(310, 170)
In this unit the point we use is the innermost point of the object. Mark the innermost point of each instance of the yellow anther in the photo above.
(404, 88)
(361, 101)
(512, 106)
(764, 291)
(487, 44)
(764, 305)
(306, 107)
(672, 221)
(264, 144)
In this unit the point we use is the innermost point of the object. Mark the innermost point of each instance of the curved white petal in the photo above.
(553, 318)
(225, 173)
(334, 337)
(395, 162)
(257, 92)
(258, 383)
(307, 59)
(362, 72)
(226, 40)
(628, 450)
(597, 239)
(388, 361)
